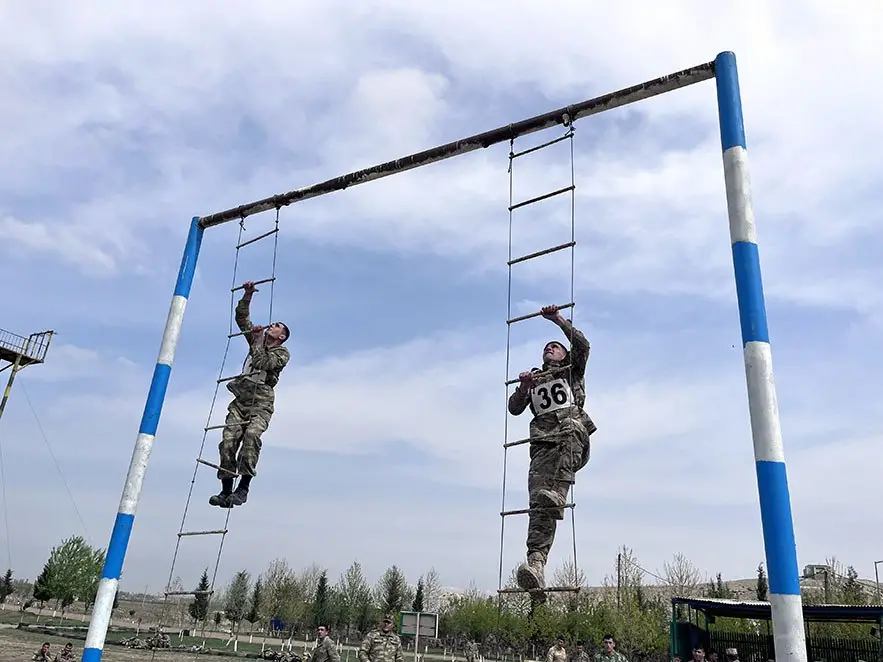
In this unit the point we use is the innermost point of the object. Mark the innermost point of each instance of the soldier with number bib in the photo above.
(559, 440)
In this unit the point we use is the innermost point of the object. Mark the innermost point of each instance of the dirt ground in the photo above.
(19, 646)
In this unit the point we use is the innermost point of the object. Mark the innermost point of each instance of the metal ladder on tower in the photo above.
(541, 595)
(209, 427)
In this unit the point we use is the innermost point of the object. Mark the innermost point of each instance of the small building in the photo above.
(694, 621)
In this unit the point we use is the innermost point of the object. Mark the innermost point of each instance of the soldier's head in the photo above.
(68, 646)
(609, 643)
(698, 654)
(386, 623)
(322, 631)
(554, 351)
(561, 641)
(45, 647)
(277, 333)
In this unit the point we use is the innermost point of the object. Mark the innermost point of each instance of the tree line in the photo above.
(283, 602)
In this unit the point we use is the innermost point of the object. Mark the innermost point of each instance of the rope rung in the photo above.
(521, 318)
(213, 532)
(215, 466)
(230, 379)
(169, 593)
(257, 282)
(540, 198)
(547, 251)
(551, 589)
(224, 425)
(543, 374)
(538, 509)
(536, 148)
(258, 238)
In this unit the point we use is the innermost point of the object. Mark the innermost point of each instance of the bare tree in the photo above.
(568, 574)
(626, 583)
(681, 576)
(432, 590)
(309, 578)
(515, 603)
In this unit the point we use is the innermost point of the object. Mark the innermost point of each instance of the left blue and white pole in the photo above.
(122, 527)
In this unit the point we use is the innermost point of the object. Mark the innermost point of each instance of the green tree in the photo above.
(256, 604)
(853, 593)
(355, 599)
(719, 589)
(762, 587)
(236, 599)
(198, 609)
(75, 569)
(392, 591)
(321, 603)
(417, 605)
(6, 588)
(219, 616)
(43, 585)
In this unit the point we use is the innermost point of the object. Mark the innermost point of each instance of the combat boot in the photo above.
(531, 575)
(239, 497)
(549, 499)
(222, 499)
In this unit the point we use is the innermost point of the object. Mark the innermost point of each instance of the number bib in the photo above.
(551, 396)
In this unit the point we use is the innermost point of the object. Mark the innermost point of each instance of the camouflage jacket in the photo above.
(264, 363)
(380, 647)
(558, 394)
(556, 654)
(325, 651)
(615, 656)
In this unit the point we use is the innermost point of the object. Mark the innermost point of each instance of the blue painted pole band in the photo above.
(156, 395)
(187, 270)
(749, 293)
(116, 551)
(778, 528)
(729, 101)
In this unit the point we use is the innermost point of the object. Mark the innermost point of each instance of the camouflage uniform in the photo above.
(253, 402)
(472, 652)
(557, 654)
(42, 656)
(559, 446)
(615, 656)
(381, 647)
(325, 651)
(581, 656)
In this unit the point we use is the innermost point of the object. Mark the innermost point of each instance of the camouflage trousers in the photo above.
(240, 445)
(554, 463)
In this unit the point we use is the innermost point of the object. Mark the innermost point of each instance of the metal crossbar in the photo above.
(508, 132)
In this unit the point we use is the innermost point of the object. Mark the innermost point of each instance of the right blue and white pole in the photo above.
(769, 454)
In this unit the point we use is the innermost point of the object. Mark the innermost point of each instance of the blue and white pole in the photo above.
(769, 454)
(122, 527)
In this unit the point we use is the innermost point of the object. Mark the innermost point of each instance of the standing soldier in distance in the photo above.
(382, 645)
(559, 440)
(325, 650)
(250, 411)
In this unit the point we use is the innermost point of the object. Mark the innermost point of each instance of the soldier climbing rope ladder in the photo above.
(559, 439)
(252, 406)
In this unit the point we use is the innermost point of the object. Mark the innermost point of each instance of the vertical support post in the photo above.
(877, 582)
(122, 527)
(772, 481)
(13, 371)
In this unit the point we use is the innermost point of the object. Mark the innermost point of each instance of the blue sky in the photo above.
(124, 121)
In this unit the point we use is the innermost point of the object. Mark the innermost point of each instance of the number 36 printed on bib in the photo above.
(551, 396)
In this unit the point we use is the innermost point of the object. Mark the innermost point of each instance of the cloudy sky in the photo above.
(123, 120)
